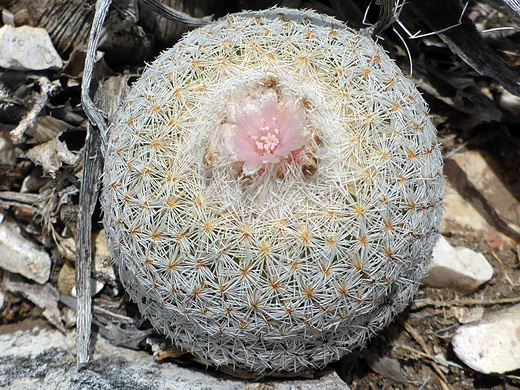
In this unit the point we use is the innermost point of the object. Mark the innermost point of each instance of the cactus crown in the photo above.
(272, 191)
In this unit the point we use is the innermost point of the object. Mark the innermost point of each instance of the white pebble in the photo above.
(457, 268)
(27, 48)
(20, 255)
(492, 345)
(95, 287)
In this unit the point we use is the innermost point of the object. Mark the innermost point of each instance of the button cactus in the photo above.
(272, 191)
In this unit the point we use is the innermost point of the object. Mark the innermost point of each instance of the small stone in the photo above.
(2, 299)
(43, 358)
(460, 214)
(66, 278)
(69, 317)
(95, 287)
(8, 17)
(67, 248)
(102, 268)
(466, 315)
(24, 257)
(493, 344)
(457, 268)
(510, 102)
(386, 366)
(475, 176)
(67, 281)
(27, 48)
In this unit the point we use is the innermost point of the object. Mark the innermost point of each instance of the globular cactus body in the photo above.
(272, 191)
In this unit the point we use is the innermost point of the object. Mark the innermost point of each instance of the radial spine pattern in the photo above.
(272, 191)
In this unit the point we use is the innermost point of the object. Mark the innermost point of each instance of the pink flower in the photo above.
(267, 132)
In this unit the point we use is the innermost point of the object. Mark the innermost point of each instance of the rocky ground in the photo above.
(461, 332)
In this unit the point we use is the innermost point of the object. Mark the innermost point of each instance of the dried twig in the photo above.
(465, 41)
(426, 349)
(506, 275)
(19, 199)
(514, 5)
(47, 89)
(99, 311)
(175, 15)
(44, 296)
(116, 328)
(418, 34)
(419, 304)
(92, 164)
(387, 16)
(442, 362)
(90, 109)
(447, 363)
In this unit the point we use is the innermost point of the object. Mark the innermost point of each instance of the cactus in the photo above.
(272, 191)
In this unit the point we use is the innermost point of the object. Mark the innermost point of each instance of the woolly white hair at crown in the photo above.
(272, 191)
